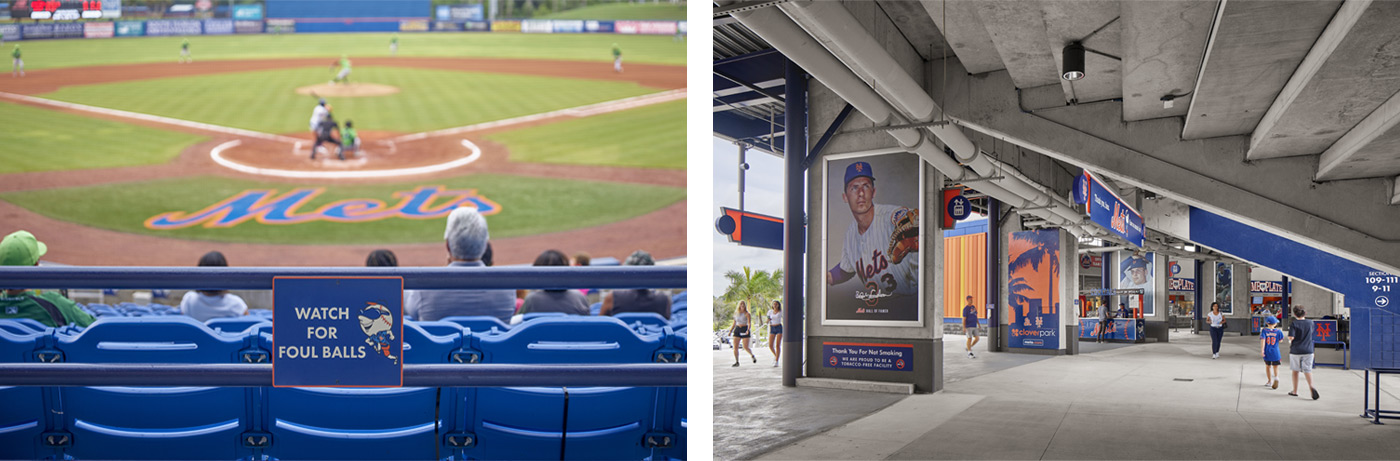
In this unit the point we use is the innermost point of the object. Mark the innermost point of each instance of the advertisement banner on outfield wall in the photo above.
(36, 31)
(99, 30)
(646, 27)
(537, 26)
(505, 26)
(247, 12)
(131, 28)
(413, 26)
(598, 26)
(173, 27)
(281, 26)
(444, 13)
(568, 26)
(475, 12)
(218, 27)
(5, 13)
(681, 27)
(477, 26)
(68, 30)
(447, 26)
(12, 31)
(247, 27)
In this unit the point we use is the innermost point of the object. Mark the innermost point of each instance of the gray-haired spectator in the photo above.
(203, 305)
(382, 258)
(643, 300)
(567, 301)
(466, 238)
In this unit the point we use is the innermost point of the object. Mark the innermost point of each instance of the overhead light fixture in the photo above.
(1073, 62)
(1191, 248)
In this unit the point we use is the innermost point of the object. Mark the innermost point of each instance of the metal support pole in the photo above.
(743, 167)
(994, 274)
(1287, 299)
(1200, 285)
(794, 243)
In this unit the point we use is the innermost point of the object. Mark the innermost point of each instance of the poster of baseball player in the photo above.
(871, 241)
(1135, 271)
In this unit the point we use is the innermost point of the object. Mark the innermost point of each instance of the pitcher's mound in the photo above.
(348, 90)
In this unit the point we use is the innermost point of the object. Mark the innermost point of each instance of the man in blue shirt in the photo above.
(1300, 350)
(970, 325)
(466, 238)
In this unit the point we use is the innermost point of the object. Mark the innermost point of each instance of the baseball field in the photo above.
(114, 153)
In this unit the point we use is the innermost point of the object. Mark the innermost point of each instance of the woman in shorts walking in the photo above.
(741, 332)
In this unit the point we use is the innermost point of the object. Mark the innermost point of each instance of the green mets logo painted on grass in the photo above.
(265, 206)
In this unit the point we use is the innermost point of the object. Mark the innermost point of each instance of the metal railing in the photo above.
(415, 278)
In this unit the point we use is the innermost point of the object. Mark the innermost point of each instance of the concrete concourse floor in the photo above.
(1110, 402)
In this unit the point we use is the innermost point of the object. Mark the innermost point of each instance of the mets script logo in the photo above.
(378, 324)
(1120, 219)
(265, 206)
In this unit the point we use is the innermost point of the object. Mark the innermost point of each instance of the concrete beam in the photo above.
(1017, 29)
(1067, 22)
(1369, 149)
(1348, 73)
(966, 35)
(1348, 218)
(1395, 191)
(1253, 49)
(1163, 45)
(916, 25)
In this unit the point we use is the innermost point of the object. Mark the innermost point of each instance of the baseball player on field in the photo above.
(18, 68)
(617, 58)
(185, 52)
(394, 45)
(323, 133)
(882, 242)
(344, 75)
(318, 114)
(349, 140)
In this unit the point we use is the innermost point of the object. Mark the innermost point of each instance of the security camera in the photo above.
(744, 166)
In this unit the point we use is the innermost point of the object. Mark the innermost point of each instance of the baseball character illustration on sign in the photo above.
(878, 242)
(378, 325)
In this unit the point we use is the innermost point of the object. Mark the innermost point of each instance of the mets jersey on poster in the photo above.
(864, 255)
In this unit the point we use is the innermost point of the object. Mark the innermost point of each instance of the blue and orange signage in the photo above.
(337, 331)
(1109, 211)
(886, 357)
(267, 207)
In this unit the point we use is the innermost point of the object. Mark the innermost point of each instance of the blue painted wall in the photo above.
(348, 9)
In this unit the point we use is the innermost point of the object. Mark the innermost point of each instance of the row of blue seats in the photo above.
(343, 423)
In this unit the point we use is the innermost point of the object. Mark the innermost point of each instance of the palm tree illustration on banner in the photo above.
(1015, 298)
(1046, 246)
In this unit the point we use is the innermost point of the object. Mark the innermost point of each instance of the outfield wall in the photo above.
(189, 27)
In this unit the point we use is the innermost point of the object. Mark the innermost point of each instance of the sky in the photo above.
(764, 195)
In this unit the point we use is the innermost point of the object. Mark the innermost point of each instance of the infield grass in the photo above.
(266, 101)
(650, 137)
(49, 54)
(44, 140)
(528, 206)
(624, 11)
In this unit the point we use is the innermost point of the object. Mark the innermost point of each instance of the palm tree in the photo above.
(755, 288)
(1015, 298)
(1047, 246)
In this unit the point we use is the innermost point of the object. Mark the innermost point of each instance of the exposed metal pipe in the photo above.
(844, 37)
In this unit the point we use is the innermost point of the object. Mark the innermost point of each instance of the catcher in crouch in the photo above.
(324, 130)
(882, 242)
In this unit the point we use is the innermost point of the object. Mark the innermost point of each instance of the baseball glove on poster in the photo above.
(905, 238)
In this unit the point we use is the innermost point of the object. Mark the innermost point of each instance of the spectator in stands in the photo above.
(582, 259)
(50, 308)
(466, 238)
(382, 258)
(489, 257)
(203, 305)
(643, 300)
(567, 301)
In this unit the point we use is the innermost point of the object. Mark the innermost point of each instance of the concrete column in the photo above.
(1239, 319)
(1069, 292)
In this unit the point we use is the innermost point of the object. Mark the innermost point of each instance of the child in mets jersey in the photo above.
(1269, 337)
(349, 140)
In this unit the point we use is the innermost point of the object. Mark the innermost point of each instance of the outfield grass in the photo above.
(42, 140)
(429, 99)
(651, 136)
(48, 54)
(624, 11)
(528, 206)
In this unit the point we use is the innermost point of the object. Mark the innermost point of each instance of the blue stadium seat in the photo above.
(679, 298)
(439, 327)
(529, 423)
(479, 324)
(234, 324)
(540, 315)
(154, 422)
(595, 308)
(371, 423)
(21, 326)
(23, 418)
(644, 318)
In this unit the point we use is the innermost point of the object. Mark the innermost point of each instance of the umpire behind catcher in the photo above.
(324, 133)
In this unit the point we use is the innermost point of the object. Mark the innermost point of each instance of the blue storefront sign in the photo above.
(887, 357)
(337, 331)
(1181, 284)
(1109, 211)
